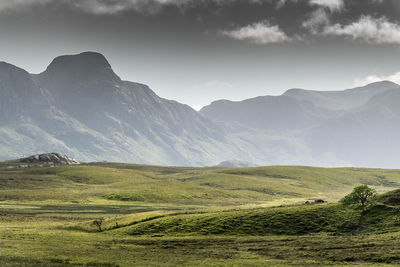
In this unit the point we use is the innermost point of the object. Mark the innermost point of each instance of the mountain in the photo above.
(120, 114)
(267, 112)
(365, 136)
(341, 100)
(80, 107)
(236, 164)
(295, 109)
(354, 127)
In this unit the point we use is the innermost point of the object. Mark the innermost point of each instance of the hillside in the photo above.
(332, 219)
(127, 183)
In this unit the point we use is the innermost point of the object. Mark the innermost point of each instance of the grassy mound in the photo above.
(296, 220)
(381, 218)
(390, 198)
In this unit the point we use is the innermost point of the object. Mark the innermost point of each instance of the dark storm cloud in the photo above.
(319, 17)
(102, 7)
(259, 22)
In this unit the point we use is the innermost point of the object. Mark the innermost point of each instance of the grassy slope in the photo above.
(333, 219)
(298, 220)
(167, 216)
(188, 186)
(298, 236)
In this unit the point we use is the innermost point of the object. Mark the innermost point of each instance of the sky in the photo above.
(198, 51)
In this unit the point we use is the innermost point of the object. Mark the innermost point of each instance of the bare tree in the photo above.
(98, 223)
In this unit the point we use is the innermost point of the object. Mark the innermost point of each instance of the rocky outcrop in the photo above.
(51, 158)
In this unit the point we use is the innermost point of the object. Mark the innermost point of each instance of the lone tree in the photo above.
(98, 223)
(362, 194)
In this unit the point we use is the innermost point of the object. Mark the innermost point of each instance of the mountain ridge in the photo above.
(94, 119)
(79, 106)
(342, 100)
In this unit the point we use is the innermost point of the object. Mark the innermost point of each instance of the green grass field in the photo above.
(170, 216)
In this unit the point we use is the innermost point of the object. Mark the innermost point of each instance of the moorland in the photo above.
(169, 216)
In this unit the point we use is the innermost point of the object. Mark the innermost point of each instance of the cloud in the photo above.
(258, 33)
(317, 20)
(333, 5)
(109, 7)
(395, 77)
(21, 4)
(97, 7)
(101, 7)
(281, 3)
(367, 29)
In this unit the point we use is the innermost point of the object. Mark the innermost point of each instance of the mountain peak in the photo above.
(378, 85)
(83, 66)
(85, 58)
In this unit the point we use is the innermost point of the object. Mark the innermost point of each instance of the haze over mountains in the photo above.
(80, 107)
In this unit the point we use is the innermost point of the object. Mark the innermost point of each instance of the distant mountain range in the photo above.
(236, 164)
(80, 107)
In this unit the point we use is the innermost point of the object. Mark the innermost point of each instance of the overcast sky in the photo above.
(197, 51)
